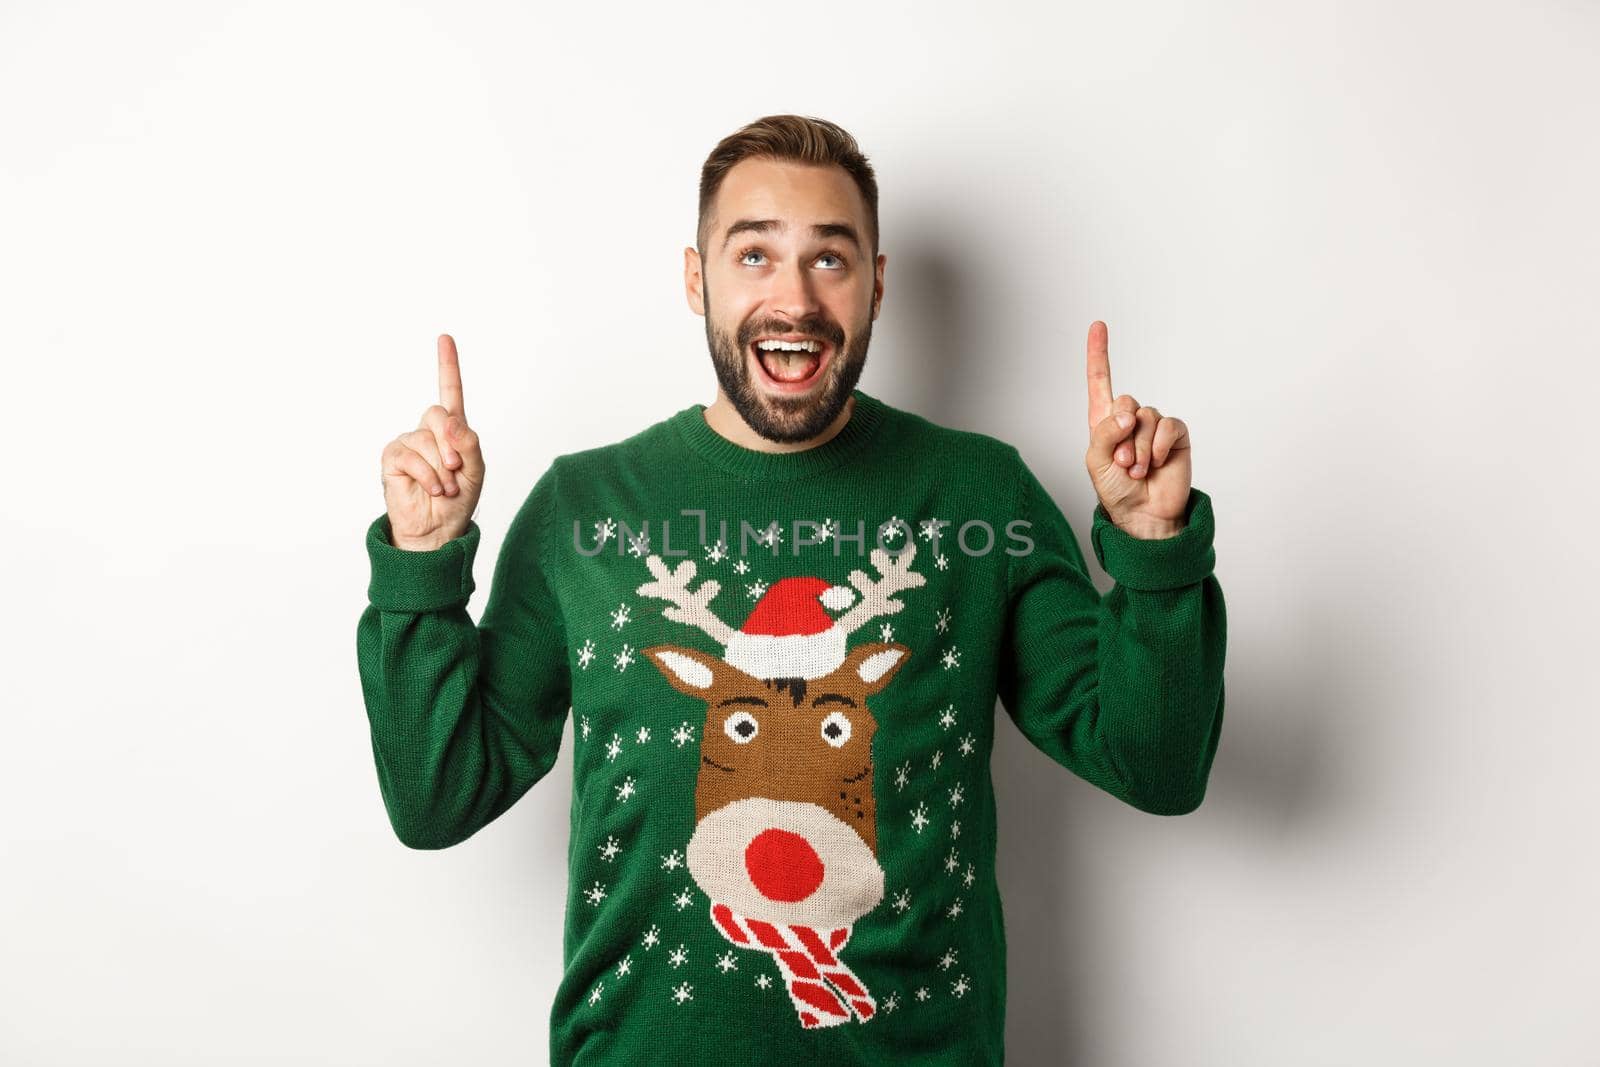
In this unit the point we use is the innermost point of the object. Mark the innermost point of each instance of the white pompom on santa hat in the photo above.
(789, 634)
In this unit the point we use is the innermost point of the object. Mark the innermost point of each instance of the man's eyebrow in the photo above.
(822, 229)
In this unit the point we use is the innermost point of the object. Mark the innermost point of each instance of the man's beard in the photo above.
(782, 418)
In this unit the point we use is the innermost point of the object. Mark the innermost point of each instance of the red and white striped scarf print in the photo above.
(806, 959)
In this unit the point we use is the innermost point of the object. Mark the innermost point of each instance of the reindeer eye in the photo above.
(836, 729)
(741, 726)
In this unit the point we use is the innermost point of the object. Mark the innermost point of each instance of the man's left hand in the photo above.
(1140, 470)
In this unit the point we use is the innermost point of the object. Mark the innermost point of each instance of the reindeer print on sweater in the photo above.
(785, 839)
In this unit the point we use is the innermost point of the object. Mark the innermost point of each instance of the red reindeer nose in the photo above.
(783, 866)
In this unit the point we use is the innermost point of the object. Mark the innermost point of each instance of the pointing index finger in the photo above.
(1100, 397)
(450, 377)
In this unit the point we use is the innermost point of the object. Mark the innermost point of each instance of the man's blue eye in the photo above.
(755, 252)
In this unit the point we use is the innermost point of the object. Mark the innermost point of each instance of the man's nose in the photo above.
(794, 293)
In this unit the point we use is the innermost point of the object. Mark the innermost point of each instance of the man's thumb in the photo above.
(1112, 431)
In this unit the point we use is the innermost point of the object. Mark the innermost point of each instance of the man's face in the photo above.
(787, 256)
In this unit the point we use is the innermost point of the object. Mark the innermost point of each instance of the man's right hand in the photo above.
(433, 475)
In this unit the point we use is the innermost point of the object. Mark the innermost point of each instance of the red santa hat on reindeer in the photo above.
(789, 634)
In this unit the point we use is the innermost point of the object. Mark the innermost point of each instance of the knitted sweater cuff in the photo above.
(1164, 563)
(419, 581)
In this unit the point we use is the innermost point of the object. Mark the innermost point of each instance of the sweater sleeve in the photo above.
(1125, 690)
(465, 718)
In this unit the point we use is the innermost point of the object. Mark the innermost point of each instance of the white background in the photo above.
(1353, 246)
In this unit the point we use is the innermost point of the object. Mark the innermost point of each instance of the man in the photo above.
(780, 623)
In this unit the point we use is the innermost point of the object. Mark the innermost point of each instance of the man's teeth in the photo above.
(789, 346)
(791, 364)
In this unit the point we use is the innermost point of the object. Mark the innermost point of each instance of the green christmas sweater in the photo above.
(782, 672)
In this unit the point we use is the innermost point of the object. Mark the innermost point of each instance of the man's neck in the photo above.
(722, 417)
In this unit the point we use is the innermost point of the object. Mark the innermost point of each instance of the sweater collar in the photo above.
(865, 418)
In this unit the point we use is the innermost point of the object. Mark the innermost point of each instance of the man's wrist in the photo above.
(428, 544)
(1150, 529)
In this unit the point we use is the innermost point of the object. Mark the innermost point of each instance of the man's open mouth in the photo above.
(790, 363)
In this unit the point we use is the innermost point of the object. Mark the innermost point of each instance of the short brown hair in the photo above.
(795, 139)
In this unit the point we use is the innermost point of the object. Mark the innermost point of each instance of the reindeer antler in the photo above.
(875, 595)
(693, 608)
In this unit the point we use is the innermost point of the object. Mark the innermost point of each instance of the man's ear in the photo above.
(693, 285)
(877, 287)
